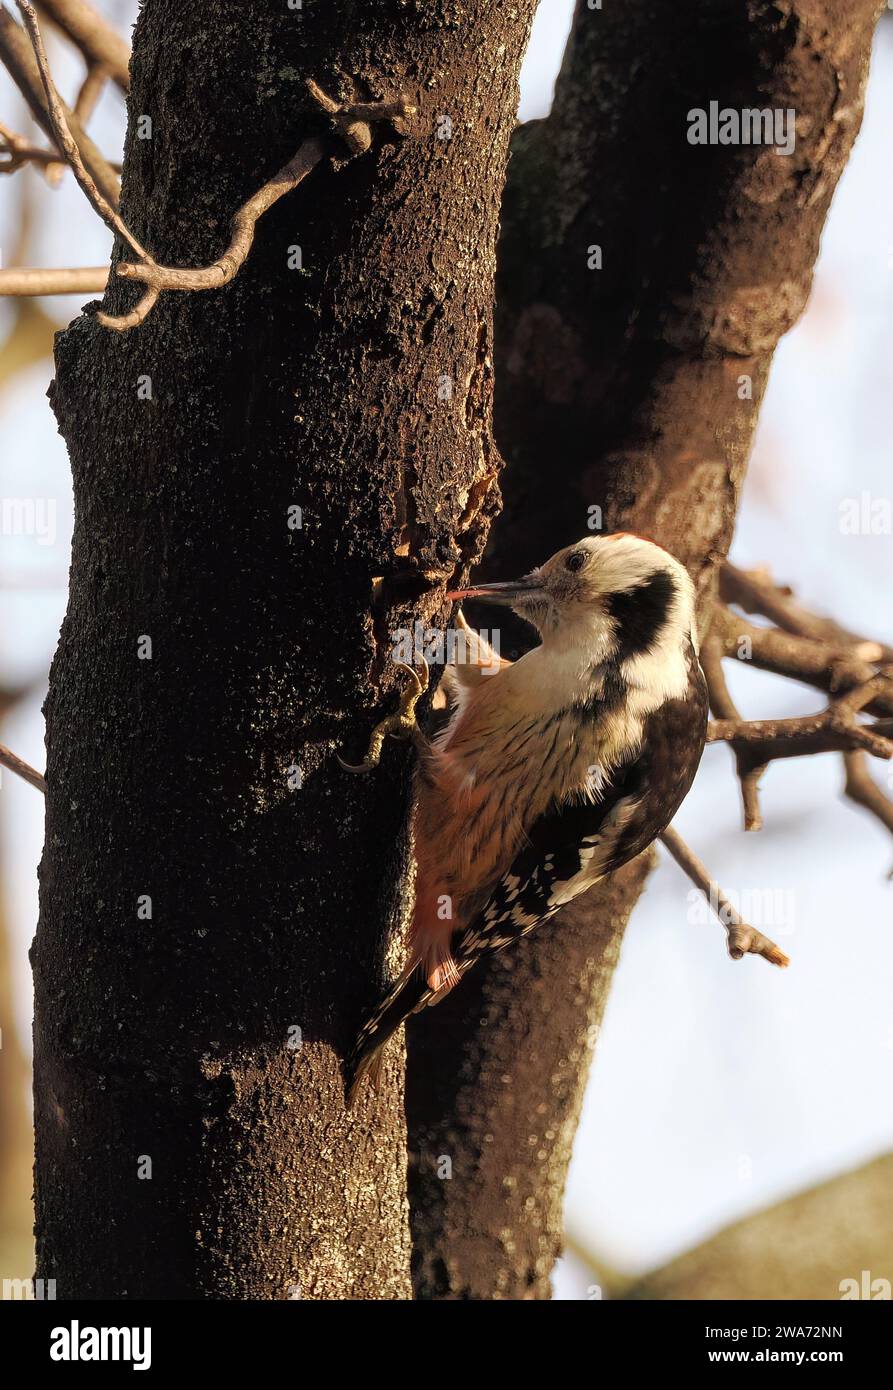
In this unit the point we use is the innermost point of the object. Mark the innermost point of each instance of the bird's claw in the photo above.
(401, 724)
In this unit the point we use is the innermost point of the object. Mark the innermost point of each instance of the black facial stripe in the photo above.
(611, 692)
(640, 613)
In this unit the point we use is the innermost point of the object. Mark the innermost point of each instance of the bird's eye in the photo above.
(575, 561)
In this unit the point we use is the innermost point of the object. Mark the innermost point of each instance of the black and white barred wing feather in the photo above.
(568, 849)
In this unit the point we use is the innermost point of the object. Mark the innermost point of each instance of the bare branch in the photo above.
(65, 140)
(742, 938)
(18, 58)
(226, 267)
(19, 151)
(89, 279)
(840, 662)
(100, 44)
(828, 666)
(799, 737)
(352, 123)
(755, 592)
(842, 713)
(21, 768)
(835, 729)
(749, 769)
(89, 94)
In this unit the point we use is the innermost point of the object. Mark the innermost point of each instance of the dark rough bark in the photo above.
(169, 1038)
(618, 388)
(495, 1084)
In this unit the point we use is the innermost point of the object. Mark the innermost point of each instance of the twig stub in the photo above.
(742, 939)
(21, 768)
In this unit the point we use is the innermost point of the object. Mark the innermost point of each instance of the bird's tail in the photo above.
(410, 993)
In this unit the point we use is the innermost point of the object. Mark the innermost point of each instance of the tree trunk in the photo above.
(632, 389)
(192, 1140)
(825, 1244)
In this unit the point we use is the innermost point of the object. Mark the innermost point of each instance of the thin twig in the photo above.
(18, 58)
(803, 735)
(827, 666)
(352, 124)
(88, 279)
(19, 150)
(21, 768)
(742, 939)
(748, 768)
(66, 141)
(100, 44)
(90, 92)
(756, 592)
(861, 788)
(226, 267)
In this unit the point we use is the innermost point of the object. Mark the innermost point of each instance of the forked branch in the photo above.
(18, 57)
(809, 648)
(352, 122)
(157, 277)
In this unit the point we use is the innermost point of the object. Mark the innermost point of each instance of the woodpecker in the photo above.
(553, 770)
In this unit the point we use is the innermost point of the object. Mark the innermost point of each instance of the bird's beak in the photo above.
(512, 591)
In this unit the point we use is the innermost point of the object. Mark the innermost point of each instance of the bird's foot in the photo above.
(401, 724)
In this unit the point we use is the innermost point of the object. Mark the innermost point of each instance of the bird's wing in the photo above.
(568, 849)
(573, 845)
